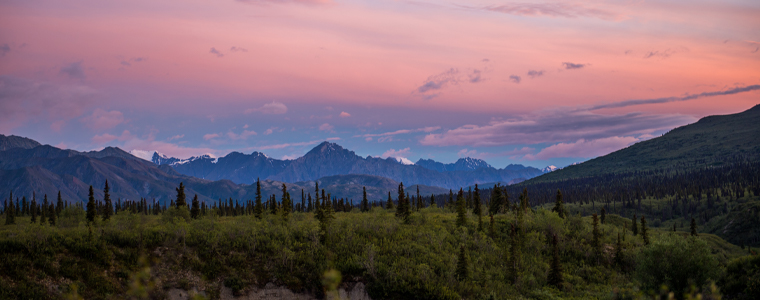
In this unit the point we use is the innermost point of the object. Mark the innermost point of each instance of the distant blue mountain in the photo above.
(329, 159)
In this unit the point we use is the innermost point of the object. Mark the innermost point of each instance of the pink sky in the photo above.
(494, 77)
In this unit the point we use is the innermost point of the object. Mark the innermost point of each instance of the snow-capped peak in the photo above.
(550, 168)
(403, 160)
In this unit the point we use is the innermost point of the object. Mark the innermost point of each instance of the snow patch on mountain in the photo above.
(550, 168)
(404, 161)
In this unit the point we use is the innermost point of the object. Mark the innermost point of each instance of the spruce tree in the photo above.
(604, 216)
(555, 271)
(303, 202)
(181, 201)
(287, 204)
(258, 208)
(365, 201)
(59, 204)
(43, 211)
(403, 204)
(674, 226)
(432, 199)
(524, 201)
(195, 209)
(33, 210)
(596, 242)
(420, 204)
(389, 204)
(635, 227)
(10, 217)
(461, 209)
(108, 208)
(644, 233)
(559, 208)
(694, 227)
(476, 199)
(463, 270)
(91, 209)
(51, 212)
(619, 252)
(491, 231)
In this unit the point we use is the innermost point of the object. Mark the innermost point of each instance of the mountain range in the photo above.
(29, 168)
(329, 159)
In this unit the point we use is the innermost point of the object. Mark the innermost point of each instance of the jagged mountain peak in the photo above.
(12, 141)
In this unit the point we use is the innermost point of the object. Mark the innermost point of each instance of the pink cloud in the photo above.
(583, 148)
(242, 136)
(101, 120)
(326, 127)
(396, 153)
(210, 136)
(344, 114)
(274, 108)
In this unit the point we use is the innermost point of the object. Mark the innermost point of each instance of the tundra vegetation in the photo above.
(411, 249)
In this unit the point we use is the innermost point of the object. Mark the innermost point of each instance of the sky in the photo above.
(512, 82)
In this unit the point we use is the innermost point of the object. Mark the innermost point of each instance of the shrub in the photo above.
(677, 262)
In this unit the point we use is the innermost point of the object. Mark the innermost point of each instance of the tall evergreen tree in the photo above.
(43, 209)
(619, 252)
(108, 208)
(287, 204)
(258, 208)
(59, 204)
(555, 271)
(420, 204)
(491, 231)
(694, 227)
(432, 199)
(559, 208)
(10, 213)
(476, 199)
(51, 212)
(389, 204)
(195, 209)
(91, 208)
(524, 201)
(635, 226)
(604, 216)
(463, 270)
(403, 204)
(303, 202)
(365, 201)
(597, 236)
(461, 209)
(644, 231)
(497, 200)
(181, 201)
(33, 210)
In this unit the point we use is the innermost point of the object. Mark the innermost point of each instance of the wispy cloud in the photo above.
(626, 103)
(299, 144)
(274, 108)
(238, 49)
(534, 73)
(344, 114)
(101, 120)
(400, 131)
(515, 78)
(439, 81)
(210, 136)
(560, 126)
(564, 10)
(216, 52)
(572, 66)
(584, 148)
(73, 70)
(4, 49)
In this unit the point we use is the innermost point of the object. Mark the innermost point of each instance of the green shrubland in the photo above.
(424, 254)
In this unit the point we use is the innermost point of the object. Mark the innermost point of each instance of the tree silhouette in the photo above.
(91, 208)
(181, 201)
